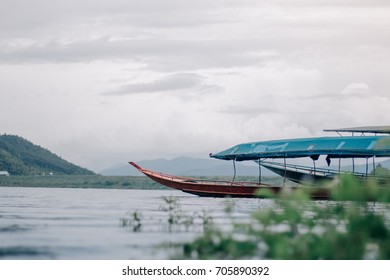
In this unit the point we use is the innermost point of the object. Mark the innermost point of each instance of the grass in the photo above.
(81, 181)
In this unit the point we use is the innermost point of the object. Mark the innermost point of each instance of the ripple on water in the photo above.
(13, 228)
(25, 252)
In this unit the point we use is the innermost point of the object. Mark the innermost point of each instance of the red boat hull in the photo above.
(220, 188)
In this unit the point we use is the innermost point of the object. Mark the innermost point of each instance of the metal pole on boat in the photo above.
(259, 172)
(314, 163)
(366, 166)
(353, 165)
(373, 165)
(285, 171)
(234, 168)
(314, 158)
(339, 165)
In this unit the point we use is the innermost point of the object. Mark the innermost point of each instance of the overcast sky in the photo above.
(101, 82)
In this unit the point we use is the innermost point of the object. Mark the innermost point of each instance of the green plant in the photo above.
(133, 221)
(297, 228)
(177, 219)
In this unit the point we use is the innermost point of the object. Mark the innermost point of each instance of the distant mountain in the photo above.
(19, 156)
(187, 166)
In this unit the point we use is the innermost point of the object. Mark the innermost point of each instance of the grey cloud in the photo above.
(170, 51)
(20, 17)
(80, 48)
(248, 110)
(156, 53)
(333, 3)
(174, 82)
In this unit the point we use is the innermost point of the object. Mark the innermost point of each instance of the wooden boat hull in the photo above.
(222, 188)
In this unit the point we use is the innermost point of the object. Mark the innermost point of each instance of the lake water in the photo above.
(61, 223)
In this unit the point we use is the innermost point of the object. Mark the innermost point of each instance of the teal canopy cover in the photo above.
(334, 147)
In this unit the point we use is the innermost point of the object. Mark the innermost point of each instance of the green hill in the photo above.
(19, 156)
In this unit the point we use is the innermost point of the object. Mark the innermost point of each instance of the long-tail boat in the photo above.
(332, 147)
(218, 188)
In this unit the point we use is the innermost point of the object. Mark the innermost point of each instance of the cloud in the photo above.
(46, 18)
(356, 89)
(100, 82)
(250, 109)
(156, 54)
(334, 3)
(167, 38)
(169, 83)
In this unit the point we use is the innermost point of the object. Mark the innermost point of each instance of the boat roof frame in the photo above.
(384, 129)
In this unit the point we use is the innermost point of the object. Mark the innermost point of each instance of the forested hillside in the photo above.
(19, 156)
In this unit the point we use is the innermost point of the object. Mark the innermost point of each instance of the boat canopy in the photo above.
(333, 147)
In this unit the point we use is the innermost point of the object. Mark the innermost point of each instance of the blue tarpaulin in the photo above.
(334, 147)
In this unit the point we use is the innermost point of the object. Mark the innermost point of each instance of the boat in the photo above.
(261, 152)
(218, 188)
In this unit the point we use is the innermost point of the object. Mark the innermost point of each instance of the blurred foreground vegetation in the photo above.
(355, 224)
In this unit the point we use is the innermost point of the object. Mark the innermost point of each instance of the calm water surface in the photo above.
(52, 223)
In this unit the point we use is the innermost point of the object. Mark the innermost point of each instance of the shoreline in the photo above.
(98, 181)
